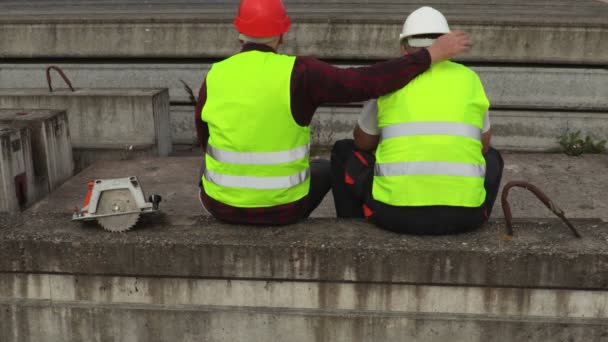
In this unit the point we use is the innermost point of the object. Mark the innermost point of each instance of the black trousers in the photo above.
(354, 199)
(320, 182)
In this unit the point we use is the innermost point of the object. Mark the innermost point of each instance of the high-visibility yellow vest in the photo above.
(430, 150)
(257, 154)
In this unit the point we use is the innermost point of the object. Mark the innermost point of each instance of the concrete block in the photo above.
(51, 146)
(105, 119)
(17, 187)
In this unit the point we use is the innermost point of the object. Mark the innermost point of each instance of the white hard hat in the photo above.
(425, 20)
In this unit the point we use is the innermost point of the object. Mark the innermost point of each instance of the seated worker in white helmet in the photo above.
(433, 171)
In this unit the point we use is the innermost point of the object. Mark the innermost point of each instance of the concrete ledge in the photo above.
(536, 88)
(512, 129)
(176, 179)
(543, 254)
(531, 106)
(345, 297)
(511, 33)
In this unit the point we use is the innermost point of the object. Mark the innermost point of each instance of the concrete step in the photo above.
(109, 122)
(513, 130)
(503, 32)
(56, 321)
(506, 86)
(531, 106)
(196, 279)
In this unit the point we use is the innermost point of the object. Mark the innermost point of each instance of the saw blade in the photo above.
(117, 202)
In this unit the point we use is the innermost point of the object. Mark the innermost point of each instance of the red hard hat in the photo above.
(262, 18)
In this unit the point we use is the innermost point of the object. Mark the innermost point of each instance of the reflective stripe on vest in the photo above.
(259, 158)
(430, 168)
(431, 128)
(251, 182)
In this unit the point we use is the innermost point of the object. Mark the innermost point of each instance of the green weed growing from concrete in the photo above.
(573, 144)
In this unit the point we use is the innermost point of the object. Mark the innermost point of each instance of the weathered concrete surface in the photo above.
(181, 275)
(51, 145)
(174, 178)
(542, 255)
(576, 184)
(575, 89)
(58, 322)
(522, 32)
(305, 295)
(531, 107)
(69, 281)
(515, 130)
(525, 130)
(101, 117)
(104, 119)
(541, 131)
(15, 165)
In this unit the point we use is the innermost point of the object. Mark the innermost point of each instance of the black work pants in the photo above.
(350, 198)
(320, 182)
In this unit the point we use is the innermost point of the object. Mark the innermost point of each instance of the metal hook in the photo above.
(61, 73)
(541, 196)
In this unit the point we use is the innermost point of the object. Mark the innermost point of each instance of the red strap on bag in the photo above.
(367, 211)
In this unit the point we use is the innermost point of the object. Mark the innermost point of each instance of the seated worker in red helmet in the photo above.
(254, 111)
(433, 171)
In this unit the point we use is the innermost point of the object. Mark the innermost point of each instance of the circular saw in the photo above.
(116, 204)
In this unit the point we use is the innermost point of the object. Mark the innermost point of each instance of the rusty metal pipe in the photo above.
(541, 196)
(61, 73)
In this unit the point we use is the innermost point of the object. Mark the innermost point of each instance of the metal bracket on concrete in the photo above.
(61, 73)
(541, 196)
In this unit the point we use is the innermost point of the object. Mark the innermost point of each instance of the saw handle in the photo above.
(155, 200)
